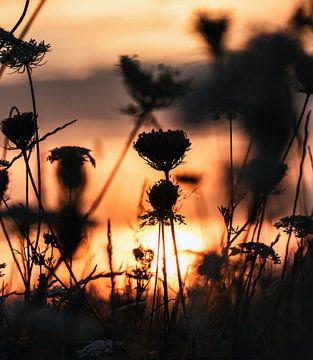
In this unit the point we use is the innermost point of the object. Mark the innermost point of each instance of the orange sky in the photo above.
(88, 35)
(92, 34)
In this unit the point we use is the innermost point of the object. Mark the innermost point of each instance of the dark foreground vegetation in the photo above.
(246, 300)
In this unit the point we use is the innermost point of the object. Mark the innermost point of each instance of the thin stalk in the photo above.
(295, 204)
(140, 121)
(110, 256)
(32, 91)
(231, 162)
(281, 290)
(180, 282)
(21, 17)
(7, 238)
(155, 282)
(306, 100)
(63, 258)
(165, 287)
(181, 290)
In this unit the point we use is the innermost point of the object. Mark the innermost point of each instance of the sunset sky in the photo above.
(79, 81)
(92, 34)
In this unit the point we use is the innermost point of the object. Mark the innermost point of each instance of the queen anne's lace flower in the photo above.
(254, 250)
(301, 225)
(19, 54)
(163, 150)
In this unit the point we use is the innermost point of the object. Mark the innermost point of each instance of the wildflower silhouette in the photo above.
(19, 54)
(20, 129)
(300, 225)
(163, 196)
(71, 160)
(151, 90)
(163, 150)
(254, 250)
(213, 31)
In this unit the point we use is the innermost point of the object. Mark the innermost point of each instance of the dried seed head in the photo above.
(20, 129)
(163, 196)
(151, 89)
(163, 150)
(70, 168)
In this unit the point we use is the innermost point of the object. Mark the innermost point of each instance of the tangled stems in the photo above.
(62, 257)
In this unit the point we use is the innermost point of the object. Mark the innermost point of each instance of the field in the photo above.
(73, 288)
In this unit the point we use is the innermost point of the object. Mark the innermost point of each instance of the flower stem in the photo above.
(165, 287)
(140, 121)
(155, 281)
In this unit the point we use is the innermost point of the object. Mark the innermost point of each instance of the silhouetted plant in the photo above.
(18, 54)
(20, 129)
(142, 271)
(70, 165)
(163, 150)
(300, 225)
(254, 250)
(151, 89)
(213, 31)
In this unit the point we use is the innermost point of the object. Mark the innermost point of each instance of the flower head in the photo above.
(152, 90)
(20, 129)
(18, 54)
(71, 160)
(163, 150)
(254, 250)
(163, 196)
(301, 225)
(213, 31)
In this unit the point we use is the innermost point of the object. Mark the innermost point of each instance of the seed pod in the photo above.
(163, 196)
(20, 129)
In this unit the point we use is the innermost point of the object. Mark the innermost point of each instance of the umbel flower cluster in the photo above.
(18, 54)
(300, 225)
(163, 150)
(254, 250)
